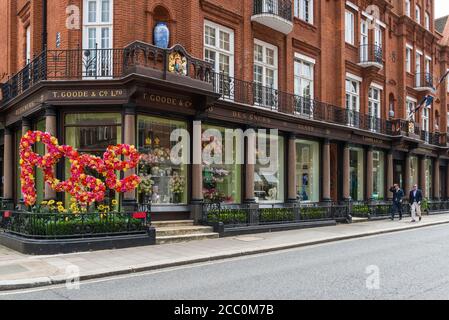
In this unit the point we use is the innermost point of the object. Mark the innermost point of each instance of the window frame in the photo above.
(349, 29)
(216, 49)
(301, 13)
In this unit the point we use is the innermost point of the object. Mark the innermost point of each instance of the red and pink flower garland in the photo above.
(84, 188)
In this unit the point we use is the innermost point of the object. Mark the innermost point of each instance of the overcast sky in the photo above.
(441, 8)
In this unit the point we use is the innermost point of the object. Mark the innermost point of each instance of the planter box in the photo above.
(55, 246)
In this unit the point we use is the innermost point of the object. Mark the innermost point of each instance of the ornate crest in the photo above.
(177, 63)
(411, 127)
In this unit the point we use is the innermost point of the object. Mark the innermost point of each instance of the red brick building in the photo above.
(337, 78)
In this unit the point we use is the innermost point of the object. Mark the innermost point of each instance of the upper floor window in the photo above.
(97, 12)
(408, 59)
(304, 10)
(265, 73)
(97, 22)
(411, 106)
(349, 27)
(407, 8)
(374, 108)
(425, 119)
(219, 47)
(417, 14)
(28, 45)
(352, 101)
(304, 67)
(427, 21)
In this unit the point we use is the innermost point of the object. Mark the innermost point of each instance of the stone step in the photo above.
(171, 223)
(357, 219)
(183, 230)
(185, 238)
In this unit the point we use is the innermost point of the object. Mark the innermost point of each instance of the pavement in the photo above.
(18, 271)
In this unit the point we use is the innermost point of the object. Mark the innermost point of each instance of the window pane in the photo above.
(225, 41)
(356, 174)
(308, 170)
(210, 57)
(165, 182)
(269, 179)
(105, 11)
(270, 56)
(92, 11)
(224, 64)
(221, 180)
(209, 35)
(258, 53)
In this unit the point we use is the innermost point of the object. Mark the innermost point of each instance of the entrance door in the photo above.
(399, 173)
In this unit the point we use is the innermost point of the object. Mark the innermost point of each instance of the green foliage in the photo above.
(311, 213)
(276, 214)
(360, 210)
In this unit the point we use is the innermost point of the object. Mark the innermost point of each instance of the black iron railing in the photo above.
(281, 8)
(93, 64)
(423, 80)
(247, 215)
(69, 225)
(371, 53)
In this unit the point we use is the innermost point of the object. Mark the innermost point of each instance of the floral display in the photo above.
(84, 188)
(177, 184)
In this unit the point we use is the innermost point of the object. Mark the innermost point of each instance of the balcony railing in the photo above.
(370, 55)
(276, 14)
(93, 64)
(423, 81)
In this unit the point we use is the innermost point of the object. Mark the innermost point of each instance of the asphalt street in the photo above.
(412, 264)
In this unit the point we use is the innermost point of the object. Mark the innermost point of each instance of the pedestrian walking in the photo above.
(415, 199)
(398, 194)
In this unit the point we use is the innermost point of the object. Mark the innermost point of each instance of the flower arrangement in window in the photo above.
(84, 188)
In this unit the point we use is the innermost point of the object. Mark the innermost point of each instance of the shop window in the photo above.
(163, 181)
(356, 177)
(378, 175)
(413, 171)
(308, 170)
(269, 178)
(221, 180)
(92, 133)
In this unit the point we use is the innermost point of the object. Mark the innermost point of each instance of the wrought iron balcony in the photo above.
(249, 93)
(370, 56)
(92, 64)
(424, 82)
(276, 14)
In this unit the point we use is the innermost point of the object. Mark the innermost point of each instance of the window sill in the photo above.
(305, 24)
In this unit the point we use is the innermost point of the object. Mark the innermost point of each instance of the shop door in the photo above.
(398, 173)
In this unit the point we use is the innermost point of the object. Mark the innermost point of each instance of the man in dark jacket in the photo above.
(415, 199)
(398, 194)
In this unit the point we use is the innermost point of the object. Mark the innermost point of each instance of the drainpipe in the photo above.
(44, 25)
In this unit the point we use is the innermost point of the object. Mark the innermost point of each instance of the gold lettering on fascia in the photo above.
(156, 98)
(87, 94)
(250, 117)
(306, 128)
(28, 106)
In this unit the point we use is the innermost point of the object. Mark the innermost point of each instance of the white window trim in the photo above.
(409, 46)
(298, 11)
(217, 49)
(354, 77)
(419, 52)
(98, 22)
(305, 58)
(352, 36)
(428, 57)
(352, 5)
(377, 86)
(411, 99)
(275, 66)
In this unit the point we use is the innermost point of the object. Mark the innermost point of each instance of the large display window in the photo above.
(221, 180)
(92, 133)
(163, 181)
(308, 170)
(269, 177)
(356, 176)
(378, 175)
(413, 171)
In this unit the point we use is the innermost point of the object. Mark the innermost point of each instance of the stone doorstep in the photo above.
(172, 223)
(186, 238)
(184, 230)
